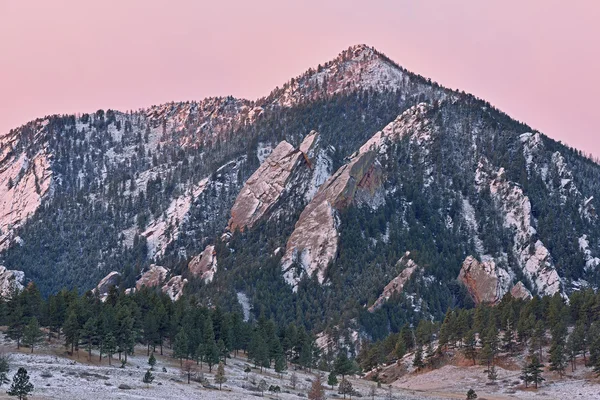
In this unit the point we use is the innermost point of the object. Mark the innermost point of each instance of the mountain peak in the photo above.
(359, 67)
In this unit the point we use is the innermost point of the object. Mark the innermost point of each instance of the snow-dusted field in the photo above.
(57, 376)
(453, 382)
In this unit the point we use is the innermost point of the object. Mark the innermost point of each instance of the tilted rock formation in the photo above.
(276, 176)
(11, 281)
(519, 291)
(532, 255)
(112, 279)
(154, 276)
(485, 281)
(314, 241)
(204, 265)
(396, 285)
(174, 287)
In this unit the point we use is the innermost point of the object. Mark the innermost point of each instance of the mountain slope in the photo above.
(309, 227)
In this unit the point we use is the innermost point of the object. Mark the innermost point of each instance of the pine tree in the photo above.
(220, 378)
(110, 346)
(471, 395)
(470, 349)
(280, 365)
(400, 348)
(211, 355)
(418, 360)
(148, 377)
(88, 335)
(152, 361)
(558, 360)
(20, 387)
(32, 335)
(343, 365)
(180, 346)
(258, 351)
(71, 331)
(532, 372)
(332, 379)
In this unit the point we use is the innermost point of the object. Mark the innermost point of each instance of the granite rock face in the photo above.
(111, 280)
(154, 276)
(485, 281)
(10, 281)
(314, 242)
(286, 171)
(519, 291)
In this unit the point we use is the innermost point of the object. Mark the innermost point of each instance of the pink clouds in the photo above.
(537, 60)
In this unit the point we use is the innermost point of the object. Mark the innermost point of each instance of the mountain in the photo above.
(307, 205)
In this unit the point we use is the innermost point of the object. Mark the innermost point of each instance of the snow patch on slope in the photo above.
(162, 231)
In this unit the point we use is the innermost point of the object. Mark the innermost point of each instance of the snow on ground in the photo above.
(57, 376)
(453, 382)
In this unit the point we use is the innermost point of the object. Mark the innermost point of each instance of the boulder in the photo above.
(519, 291)
(10, 281)
(112, 279)
(485, 281)
(154, 276)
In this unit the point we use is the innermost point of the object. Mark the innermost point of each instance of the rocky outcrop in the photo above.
(485, 281)
(112, 279)
(11, 281)
(519, 291)
(396, 285)
(278, 175)
(153, 277)
(24, 181)
(313, 243)
(161, 231)
(532, 255)
(204, 265)
(174, 287)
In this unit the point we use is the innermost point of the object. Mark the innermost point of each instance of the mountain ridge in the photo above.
(124, 191)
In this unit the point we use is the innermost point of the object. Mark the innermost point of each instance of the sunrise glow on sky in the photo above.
(538, 60)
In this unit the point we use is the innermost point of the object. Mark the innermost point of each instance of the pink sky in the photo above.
(538, 60)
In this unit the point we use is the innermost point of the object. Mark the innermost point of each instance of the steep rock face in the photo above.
(484, 280)
(533, 257)
(10, 281)
(109, 281)
(396, 285)
(154, 276)
(314, 241)
(174, 287)
(519, 291)
(24, 181)
(286, 170)
(204, 265)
